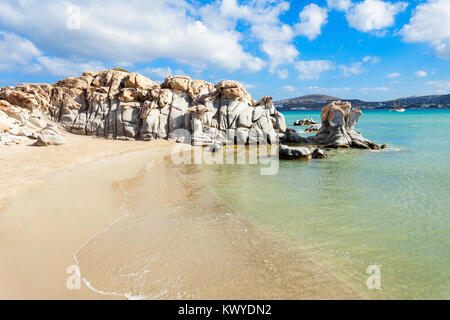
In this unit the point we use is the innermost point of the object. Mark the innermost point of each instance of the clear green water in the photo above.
(358, 208)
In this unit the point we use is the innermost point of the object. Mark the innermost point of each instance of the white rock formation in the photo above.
(117, 104)
(337, 129)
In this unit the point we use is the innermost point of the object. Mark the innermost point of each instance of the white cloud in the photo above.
(371, 59)
(265, 25)
(15, 50)
(128, 32)
(62, 67)
(374, 14)
(430, 23)
(421, 73)
(283, 73)
(358, 67)
(340, 5)
(441, 86)
(289, 88)
(351, 69)
(311, 69)
(374, 89)
(330, 90)
(249, 85)
(18, 51)
(393, 75)
(157, 73)
(312, 18)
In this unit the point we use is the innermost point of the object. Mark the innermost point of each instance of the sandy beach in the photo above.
(24, 166)
(46, 196)
(138, 228)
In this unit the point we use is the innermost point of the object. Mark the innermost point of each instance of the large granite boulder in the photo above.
(337, 129)
(50, 135)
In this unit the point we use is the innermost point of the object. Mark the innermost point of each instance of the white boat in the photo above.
(398, 108)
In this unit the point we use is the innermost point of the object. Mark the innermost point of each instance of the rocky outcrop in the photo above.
(290, 153)
(20, 124)
(337, 129)
(304, 122)
(313, 128)
(49, 136)
(117, 104)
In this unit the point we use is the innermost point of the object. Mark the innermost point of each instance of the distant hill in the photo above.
(318, 101)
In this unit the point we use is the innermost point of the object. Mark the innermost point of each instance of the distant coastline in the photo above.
(318, 101)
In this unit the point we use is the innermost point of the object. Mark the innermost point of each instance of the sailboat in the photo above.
(398, 108)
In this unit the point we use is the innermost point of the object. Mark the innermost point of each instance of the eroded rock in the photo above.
(118, 104)
(289, 153)
(304, 122)
(49, 136)
(337, 129)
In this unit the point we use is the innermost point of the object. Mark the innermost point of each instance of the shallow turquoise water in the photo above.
(359, 208)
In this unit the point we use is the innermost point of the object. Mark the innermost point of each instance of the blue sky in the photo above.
(370, 49)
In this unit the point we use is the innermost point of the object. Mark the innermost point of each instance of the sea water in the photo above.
(315, 230)
(360, 208)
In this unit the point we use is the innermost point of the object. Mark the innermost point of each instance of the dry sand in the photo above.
(57, 197)
(24, 166)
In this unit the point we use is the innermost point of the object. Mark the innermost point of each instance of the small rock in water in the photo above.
(319, 154)
(313, 128)
(304, 122)
(286, 152)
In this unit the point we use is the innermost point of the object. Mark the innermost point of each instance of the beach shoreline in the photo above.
(31, 179)
(43, 237)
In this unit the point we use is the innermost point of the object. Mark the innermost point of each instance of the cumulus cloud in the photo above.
(430, 23)
(311, 69)
(283, 73)
(328, 90)
(265, 25)
(18, 51)
(374, 89)
(340, 5)
(127, 32)
(371, 59)
(372, 15)
(441, 86)
(63, 67)
(312, 18)
(393, 75)
(15, 50)
(159, 73)
(421, 73)
(358, 67)
(289, 88)
(351, 69)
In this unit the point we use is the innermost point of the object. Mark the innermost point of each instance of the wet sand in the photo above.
(139, 227)
(57, 198)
